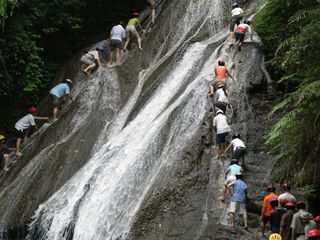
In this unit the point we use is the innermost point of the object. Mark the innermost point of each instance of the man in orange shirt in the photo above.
(266, 208)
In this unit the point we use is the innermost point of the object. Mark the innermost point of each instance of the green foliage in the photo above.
(289, 29)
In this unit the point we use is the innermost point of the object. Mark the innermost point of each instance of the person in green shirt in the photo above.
(132, 29)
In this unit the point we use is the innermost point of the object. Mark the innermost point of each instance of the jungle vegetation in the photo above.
(290, 32)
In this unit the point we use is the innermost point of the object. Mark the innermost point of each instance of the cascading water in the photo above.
(145, 140)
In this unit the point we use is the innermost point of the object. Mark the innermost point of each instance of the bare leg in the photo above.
(127, 41)
(118, 56)
(18, 152)
(139, 42)
(55, 113)
(6, 162)
(245, 220)
(231, 218)
(111, 57)
(153, 15)
(262, 227)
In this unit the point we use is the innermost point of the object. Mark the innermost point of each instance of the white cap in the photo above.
(219, 111)
(69, 80)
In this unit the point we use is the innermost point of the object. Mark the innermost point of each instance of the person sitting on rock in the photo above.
(23, 125)
(237, 15)
(92, 59)
(57, 95)
(152, 6)
(241, 31)
(230, 176)
(238, 148)
(238, 200)
(116, 35)
(222, 129)
(4, 153)
(266, 207)
(131, 29)
(276, 215)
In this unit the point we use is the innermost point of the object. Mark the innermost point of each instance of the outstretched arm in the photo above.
(41, 118)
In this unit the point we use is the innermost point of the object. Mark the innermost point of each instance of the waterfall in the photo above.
(144, 140)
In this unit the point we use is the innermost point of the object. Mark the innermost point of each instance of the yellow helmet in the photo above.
(2, 137)
(275, 236)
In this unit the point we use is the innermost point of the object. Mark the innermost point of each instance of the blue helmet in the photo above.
(235, 4)
(101, 49)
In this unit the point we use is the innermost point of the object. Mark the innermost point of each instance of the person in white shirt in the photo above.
(117, 34)
(22, 127)
(222, 129)
(286, 196)
(238, 148)
(221, 97)
(241, 31)
(237, 15)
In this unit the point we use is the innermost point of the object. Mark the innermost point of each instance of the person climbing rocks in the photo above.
(222, 129)
(152, 6)
(241, 31)
(276, 215)
(266, 207)
(5, 153)
(301, 222)
(23, 125)
(286, 219)
(57, 95)
(286, 196)
(131, 29)
(238, 148)
(93, 60)
(221, 72)
(117, 34)
(230, 176)
(237, 15)
(314, 234)
(221, 97)
(275, 236)
(238, 200)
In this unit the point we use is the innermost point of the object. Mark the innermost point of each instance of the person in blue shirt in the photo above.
(238, 200)
(57, 94)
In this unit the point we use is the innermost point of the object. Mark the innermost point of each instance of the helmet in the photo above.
(247, 22)
(275, 236)
(288, 204)
(68, 81)
(285, 186)
(317, 219)
(235, 4)
(219, 111)
(101, 49)
(239, 174)
(32, 110)
(2, 137)
(136, 14)
(313, 233)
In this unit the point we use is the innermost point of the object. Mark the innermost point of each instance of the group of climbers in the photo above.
(288, 218)
(22, 127)
(92, 59)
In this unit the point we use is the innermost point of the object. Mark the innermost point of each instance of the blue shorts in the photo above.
(221, 138)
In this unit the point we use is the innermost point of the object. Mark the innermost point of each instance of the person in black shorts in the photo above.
(117, 34)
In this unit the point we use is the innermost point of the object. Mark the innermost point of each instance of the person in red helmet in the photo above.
(131, 29)
(314, 234)
(267, 208)
(285, 230)
(23, 125)
(286, 195)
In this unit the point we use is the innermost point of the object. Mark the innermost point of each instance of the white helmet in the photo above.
(68, 81)
(219, 111)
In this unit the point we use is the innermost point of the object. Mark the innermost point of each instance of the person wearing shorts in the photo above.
(4, 153)
(57, 94)
(238, 200)
(152, 6)
(241, 31)
(236, 18)
(92, 59)
(131, 29)
(116, 35)
(238, 148)
(222, 130)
